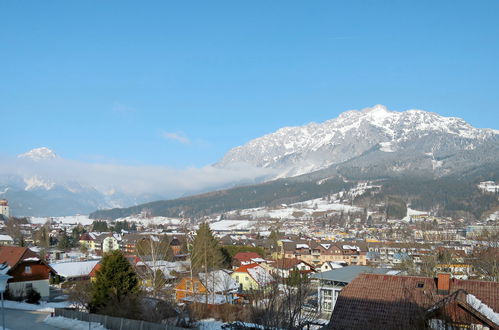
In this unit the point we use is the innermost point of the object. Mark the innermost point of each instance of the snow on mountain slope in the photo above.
(39, 154)
(303, 149)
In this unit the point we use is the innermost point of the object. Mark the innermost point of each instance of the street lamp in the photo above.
(3, 285)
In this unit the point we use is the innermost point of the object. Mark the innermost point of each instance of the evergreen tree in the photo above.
(42, 237)
(274, 238)
(75, 235)
(64, 243)
(205, 254)
(100, 226)
(115, 282)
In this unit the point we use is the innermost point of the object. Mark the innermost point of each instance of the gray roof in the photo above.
(347, 274)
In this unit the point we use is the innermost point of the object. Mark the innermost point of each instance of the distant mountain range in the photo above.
(370, 144)
(373, 140)
(415, 154)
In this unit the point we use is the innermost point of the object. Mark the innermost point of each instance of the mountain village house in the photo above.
(28, 271)
(216, 287)
(251, 277)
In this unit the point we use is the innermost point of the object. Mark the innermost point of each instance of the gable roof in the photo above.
(289, 263)
(398, 302)
(74, 269)
(257, 272)
(218, 281)
(245, 268)
(12, 255)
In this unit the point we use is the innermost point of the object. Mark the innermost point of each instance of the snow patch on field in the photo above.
(73, 219)
(174, 222)
(411, 212)
(66, 323)
(42, 307)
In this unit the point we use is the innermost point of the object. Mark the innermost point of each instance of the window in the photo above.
(29, 286)
(237, 278)
(246, 278)
(188, 285)
(196, 286)
(420, 285)
(27, 269)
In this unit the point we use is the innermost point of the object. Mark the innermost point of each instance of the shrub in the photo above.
(33, 297)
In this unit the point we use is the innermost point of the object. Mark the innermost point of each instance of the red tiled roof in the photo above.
(246, 256)
(398, 302)
(94, 270)
(86, 237)
(244, 268)
(12, 255)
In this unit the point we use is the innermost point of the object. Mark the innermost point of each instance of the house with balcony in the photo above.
(330, 284)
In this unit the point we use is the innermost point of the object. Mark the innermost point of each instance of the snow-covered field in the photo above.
(301, 210)
(42, 307)
(73, 219)
(411, 212)
(174, 222)
(66, 323)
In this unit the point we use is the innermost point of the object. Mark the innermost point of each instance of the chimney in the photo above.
(443, 284)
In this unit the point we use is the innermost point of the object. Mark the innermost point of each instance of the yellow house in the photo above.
(251, 277)
(88, 240)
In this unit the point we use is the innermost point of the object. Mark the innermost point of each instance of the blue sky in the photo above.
(180, 83)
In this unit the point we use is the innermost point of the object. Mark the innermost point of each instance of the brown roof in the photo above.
(12, 255)
(246, 256)
(288, 263)
(399, 302)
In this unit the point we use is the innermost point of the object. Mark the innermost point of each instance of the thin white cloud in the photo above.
(139, 181)
(176, 136)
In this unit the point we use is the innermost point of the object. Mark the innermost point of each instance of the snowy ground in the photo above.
(494, 216)
(42, 307)
(66, 323)
(301, 210)
(173, 222)
(74, 219)
(411, 212)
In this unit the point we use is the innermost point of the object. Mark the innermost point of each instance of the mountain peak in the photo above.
(303, 149)
(376, 108)
(42, 153)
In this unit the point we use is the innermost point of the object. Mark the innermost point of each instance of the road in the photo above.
(25, 320)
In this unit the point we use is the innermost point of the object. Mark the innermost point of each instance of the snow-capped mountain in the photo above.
(304, 149)
(37, 154)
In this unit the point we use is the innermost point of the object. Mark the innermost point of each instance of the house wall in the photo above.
(89, 244)
(188, 287)
(245, 281)
(35, 272)
(21, 288)
(110, 244)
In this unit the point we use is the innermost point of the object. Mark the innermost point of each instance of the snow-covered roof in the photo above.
(260, 275)
(350, 247)
(74, 269)
(166, 267)
(302, 246)
(228, 225)
(218, 281)
(32, 259)
(326, 246)
(482, 308)
(6, 238)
